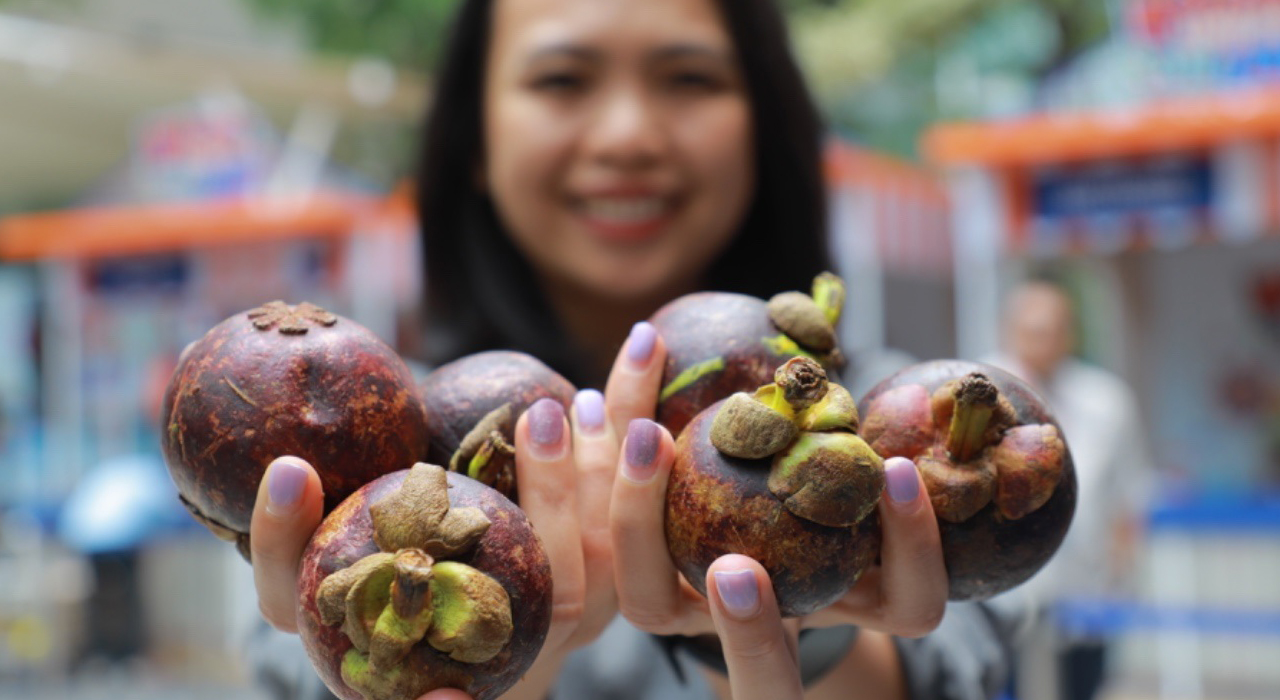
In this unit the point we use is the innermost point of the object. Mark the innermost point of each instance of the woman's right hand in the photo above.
(565, 479)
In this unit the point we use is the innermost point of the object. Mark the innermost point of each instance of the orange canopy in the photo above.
(1170, 126)
(156, 228)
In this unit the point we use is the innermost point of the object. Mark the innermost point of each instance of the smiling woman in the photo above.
(617, 156)
(616, 159)
(585, 162)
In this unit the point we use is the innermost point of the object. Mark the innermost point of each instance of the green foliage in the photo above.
(407, 32)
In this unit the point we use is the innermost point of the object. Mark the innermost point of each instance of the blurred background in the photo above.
(166, 164)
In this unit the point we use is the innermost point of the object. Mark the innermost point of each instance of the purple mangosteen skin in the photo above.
(719, 505)
(457, 395)
(510, 552)
(987, 554)
(704, 325)
(241, 396)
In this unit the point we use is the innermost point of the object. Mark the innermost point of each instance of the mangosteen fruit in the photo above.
(285, 380)
(472, 406)
(719, 343)
(996, 465)
(423, 579)
(781, 476)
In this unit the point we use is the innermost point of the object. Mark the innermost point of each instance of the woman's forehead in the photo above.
(534, 26)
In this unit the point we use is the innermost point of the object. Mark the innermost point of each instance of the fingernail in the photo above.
(589, 407)
(642, 450)
(901, 481)
(739, 592)
(546, 422)
(286, 480)
(640, 343)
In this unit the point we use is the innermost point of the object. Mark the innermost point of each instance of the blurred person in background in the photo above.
(586, 162)
(1099, 417)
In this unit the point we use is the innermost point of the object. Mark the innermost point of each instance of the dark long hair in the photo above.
(482, 293)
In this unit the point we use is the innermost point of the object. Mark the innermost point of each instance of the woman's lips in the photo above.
(626, 219)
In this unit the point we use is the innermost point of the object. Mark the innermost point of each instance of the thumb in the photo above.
(288, 509)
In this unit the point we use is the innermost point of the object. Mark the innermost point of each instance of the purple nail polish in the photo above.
(640, 343)
(546, 422)
(589, 407)
(738, 591)
(641, 450)
(901, 481)
(285, 483)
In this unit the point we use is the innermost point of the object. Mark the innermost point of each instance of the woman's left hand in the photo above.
(904, 595)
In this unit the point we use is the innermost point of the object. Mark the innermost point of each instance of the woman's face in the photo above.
(618, 140)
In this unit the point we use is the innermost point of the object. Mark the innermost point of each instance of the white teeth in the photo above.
(628, 210)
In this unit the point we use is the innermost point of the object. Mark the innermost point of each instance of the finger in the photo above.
(649, 593)
(289, 507)
(758, 650)
(635, 380)
(548, 495)
(595, 454)
(913, 575)
(446, 694)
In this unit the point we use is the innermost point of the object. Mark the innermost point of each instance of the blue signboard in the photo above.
(1123, 188)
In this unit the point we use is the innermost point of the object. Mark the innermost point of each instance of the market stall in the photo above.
(1165, 218)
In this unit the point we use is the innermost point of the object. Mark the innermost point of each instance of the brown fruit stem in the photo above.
(802, 381)
(976, 398)
(411, 588)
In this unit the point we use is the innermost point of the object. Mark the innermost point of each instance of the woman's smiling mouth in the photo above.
(625, 219)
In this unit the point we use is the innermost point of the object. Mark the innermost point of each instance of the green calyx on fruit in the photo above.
(832, 478)
(390, 601)
(485, 454)
(980, 455)
(821, 470)
(418, 515)
(828, 293)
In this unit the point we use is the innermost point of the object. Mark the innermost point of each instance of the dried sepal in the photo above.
(499, 420)
(957, 490)
(365, 601)
(899, 422)
(799, 316)
(418, 515)
(494, 464)
(1029, 464)
(836, 410)
(747, 428)
(458, 532)
(830, 478)
(472, 613)
(331, 597)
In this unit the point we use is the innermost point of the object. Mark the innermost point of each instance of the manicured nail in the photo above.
(642, 450)
(739, 592)
(546, 422)
(901, 481)
(589, 407)
(640, 343)
(286, 480)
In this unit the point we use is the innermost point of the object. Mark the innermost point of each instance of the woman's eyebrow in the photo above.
(563, 50)
(672, 51)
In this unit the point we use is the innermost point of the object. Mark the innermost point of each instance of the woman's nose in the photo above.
(627, 130)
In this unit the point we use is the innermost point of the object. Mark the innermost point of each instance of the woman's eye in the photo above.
(559, 82)
(695, 82)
